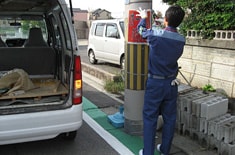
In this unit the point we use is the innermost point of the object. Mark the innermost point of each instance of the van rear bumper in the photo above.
(39, 125)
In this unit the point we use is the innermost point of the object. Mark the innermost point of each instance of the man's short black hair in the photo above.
(174, 15)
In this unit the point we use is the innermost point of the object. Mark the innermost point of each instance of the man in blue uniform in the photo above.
(166, 46)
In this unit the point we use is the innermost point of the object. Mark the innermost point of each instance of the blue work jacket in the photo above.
(165, 48)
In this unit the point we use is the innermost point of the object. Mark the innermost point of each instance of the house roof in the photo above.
(79, 10)
(98, 11)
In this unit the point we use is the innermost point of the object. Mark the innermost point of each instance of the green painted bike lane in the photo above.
(133, 143)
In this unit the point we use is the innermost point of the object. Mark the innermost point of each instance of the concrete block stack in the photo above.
(205, 118)
(184, 105)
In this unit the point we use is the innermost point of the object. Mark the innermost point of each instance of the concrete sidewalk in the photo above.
(82, 42)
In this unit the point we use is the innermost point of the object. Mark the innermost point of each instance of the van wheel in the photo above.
(92, 58)
(122, 62)
(69, 135)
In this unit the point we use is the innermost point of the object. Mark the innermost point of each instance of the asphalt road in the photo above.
(87, 142)
(111, 68)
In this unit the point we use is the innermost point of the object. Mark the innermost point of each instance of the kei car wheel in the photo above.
(122, 62)
(92, 58)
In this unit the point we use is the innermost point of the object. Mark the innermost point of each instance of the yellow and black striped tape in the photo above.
(136, 66)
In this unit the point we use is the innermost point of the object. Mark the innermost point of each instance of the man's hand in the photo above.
(142, 13)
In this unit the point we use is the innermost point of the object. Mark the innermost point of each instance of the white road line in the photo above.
(110, 139)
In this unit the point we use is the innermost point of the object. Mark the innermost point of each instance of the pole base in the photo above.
(133, 127)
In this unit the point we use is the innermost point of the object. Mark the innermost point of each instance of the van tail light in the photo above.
(77, 81)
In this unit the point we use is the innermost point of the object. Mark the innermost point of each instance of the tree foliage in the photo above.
(27, 24)
(207, 15)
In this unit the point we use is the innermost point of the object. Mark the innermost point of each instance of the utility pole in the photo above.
(136, 67)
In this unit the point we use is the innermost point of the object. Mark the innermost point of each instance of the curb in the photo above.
(99, 85)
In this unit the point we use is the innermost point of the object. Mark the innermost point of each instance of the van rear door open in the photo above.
(40, 71)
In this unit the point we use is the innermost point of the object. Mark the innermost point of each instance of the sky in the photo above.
(116, 7)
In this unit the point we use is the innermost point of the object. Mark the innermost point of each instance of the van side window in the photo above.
(99, 29)
(66, 31)
(112, 31)
(55, 37)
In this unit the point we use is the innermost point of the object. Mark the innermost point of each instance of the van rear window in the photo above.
(15, 32)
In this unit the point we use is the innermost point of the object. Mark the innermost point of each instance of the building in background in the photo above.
(99, 14)
(80, 15)
(81, 23)
(83, 18)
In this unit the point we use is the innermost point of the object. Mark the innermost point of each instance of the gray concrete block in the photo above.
(203, 125)
(214, 124)
(194, 122)
(178, 118)
(200, 137)
(178, 126)
(226, 149)
(223, 149)
(214, 144)
(185, 122)
(231, 149)
(222, 130)
(214, 108)
(187, 118)
(181, 94)
(186, 100)
(196, 104)
(229, 132)
(182, 117)
(178, 115)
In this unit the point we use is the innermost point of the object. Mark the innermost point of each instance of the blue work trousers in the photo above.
(160, 97)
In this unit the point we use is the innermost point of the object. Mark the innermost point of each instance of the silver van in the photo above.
(106, 42)
(40, 71)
